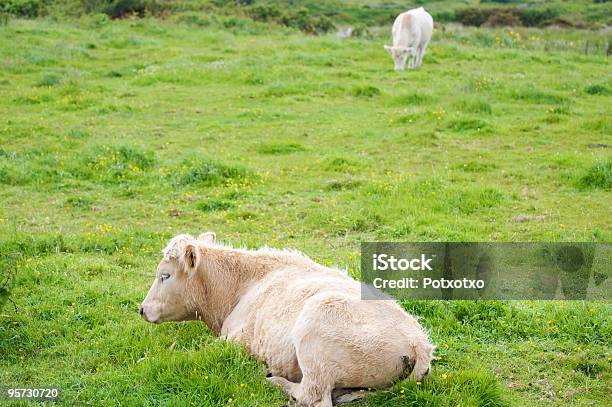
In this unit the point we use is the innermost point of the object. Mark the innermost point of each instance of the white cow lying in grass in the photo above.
(307, 322)
(411, 33)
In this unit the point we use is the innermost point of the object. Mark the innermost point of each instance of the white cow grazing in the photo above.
(411, 33)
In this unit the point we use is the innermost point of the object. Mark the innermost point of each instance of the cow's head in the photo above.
(399, 55)
(169, 298)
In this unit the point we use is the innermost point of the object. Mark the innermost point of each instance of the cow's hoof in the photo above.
(349, 397)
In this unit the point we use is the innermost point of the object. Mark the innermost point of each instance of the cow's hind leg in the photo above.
(421, 55)
(288, 387)
(308, 393)
(315, 393)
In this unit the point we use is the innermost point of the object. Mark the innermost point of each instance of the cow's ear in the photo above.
(388, 48)
(208, 237)
(191, 257)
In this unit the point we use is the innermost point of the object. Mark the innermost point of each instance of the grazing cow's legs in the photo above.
(421, 55)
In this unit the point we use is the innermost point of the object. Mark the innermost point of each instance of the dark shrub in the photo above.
(304, 21)
(536, 17)
(22, 8)
(299, 20)
(527, 17)
(360, 30)
(121, 8)
(502, 18)
(264, 12)
(223, 3)
(323, 24)
(472, 16)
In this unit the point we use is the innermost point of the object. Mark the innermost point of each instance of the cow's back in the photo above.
(412, 28)
(267, 312)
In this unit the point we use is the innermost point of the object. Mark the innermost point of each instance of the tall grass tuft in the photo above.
(598, 176)
(115, 163)
(209, 172)
(280, 148)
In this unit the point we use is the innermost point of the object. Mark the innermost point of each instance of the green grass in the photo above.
(598, 176)
(116, 136)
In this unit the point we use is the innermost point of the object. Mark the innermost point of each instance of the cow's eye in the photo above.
(164, 277)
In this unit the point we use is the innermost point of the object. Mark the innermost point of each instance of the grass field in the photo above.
(116, 136)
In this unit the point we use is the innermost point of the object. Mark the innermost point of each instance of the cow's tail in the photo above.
(418, 363)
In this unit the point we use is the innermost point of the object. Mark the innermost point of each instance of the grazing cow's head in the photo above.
(168, 298)
(399, 55)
